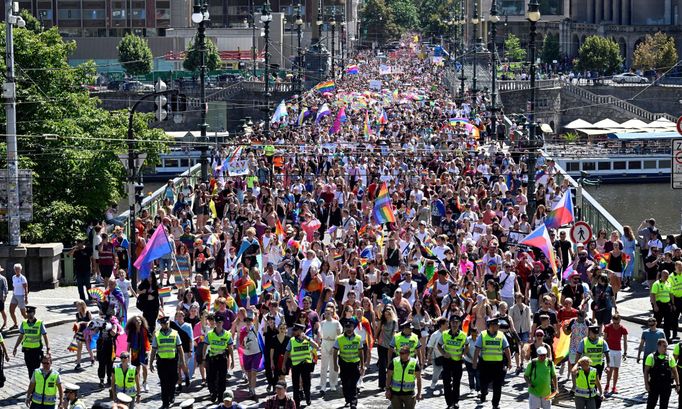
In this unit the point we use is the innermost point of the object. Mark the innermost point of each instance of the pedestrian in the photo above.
(604, 301)
(71, 395)
(649, 339)
(252, 349)
(167, 346)
(349, 351)
(148, 300)
(540, 375)
(219, 357)
(433, 354)
(469, 351)
(675, 280)
(4, 356)
(660, 369)
(588, 390)
(19, 297)
(451, 346)
(577, 329)
(594, 347)
(280, 400)
(406, 336)
(139, 345)
(491, 348)
(108, 330)
(82, 268)
(300, 351)
(402, 374)
(45, 385)
(4, 290)
(661, 303)
(107, 257)
(126, 380)
(228, 402)
(614, 333)
(31, 332)
(386, 328)
(186, 333)
(521, 318)
(330, 329)
(83, 318)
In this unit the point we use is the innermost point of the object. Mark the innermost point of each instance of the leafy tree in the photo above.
(378, 22)
(32, 23)
(76, 174)
(550, 48)
(512, 49)
(135, 55)
(599, 54)
(404, 14)
(656, 52)
(193, 57)
(434, 14)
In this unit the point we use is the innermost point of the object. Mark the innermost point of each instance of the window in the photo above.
(69, 14)
(170, 163)
(604, 165)
(619, 165)
(118, 14)
(572, 166)
(97, 14)
(664, 164)
(138, 14)
(634, 164)
(588, 166)
(184, 163)
(650, 164)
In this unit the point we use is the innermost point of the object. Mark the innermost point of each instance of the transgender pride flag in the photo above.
(539, 238)
(562, 212)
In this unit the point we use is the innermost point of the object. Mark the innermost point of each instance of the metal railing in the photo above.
(513, 85)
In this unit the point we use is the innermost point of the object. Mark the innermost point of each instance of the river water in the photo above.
(632, 203)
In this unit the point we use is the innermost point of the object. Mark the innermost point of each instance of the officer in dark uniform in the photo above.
(349, 355)
(30, 333)
(167, 346)
(491, 347)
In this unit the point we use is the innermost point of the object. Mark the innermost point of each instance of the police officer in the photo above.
(218, 355)
(349, 355)
(168, 347)
(587, 385)
(126, 380)
(71, 396)
(594, 347)
(406, 337)
(44, 386)
(401, 374)
(451, 346)
(492, 347)
(123, 400)
(30, 332)
(187, 404)
(660, 369)
(300, 351)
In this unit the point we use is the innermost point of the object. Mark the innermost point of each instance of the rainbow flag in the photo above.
(338, 257)
(164, 292)
(383, 212)
(325, 86)
(604, 259)
(266, 285)
(363, 262)
(562, 212)
(352, 70)
(279, 230)
(561, 345)
(366, 129)
(539, 238)
(246, 289)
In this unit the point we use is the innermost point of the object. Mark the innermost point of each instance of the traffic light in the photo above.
(178, 103)
(139, 193)
(161, 108)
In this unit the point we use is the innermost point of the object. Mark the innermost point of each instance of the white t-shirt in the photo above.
(433, 342)
(357, 288)
(411, 286)
(507, 291)
(18, 284)
(251, 346)
(329, 330)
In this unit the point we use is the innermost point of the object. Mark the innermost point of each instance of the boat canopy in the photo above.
(578, 123)
(631, 136)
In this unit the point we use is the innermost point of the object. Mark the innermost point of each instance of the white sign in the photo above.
(375, 84)
(384, 69)
(581, 232)
(238, 168)
(676, 174)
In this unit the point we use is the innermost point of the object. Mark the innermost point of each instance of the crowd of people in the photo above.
(285, 268)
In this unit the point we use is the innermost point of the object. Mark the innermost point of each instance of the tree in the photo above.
(599, 54)
(550, 48)
(404, 14)
(135, 55)
(433, 15)
(378, 22)
(76, 174)
(512, 49)
(193, 57)
(656, 53)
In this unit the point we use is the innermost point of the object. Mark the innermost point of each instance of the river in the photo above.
(632, 203)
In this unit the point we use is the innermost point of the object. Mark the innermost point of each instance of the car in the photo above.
(115, 85)
(629, 78)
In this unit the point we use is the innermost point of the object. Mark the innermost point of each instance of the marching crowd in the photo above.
(290, 268)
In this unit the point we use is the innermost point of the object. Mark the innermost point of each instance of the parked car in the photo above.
(115, 85)
(629, 78)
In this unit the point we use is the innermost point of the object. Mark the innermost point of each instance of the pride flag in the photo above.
(302, 116)
(164, 292)
(366, 129)
(539, 238)
(279, 230)
(325, 86)
(158, 246)
(280, 113)
(562, 212)
(352, 70)
(383, 118)
(383, 212)
(322, 112)
(561, 345)
(340, 118)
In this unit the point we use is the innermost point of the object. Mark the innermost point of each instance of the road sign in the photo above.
(679, 123)
(581, 232)
(676, 174)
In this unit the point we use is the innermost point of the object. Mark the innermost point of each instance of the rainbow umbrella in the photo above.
(96, 294)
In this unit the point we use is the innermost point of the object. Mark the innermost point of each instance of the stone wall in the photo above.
(548, 103)
(653, 99)
(41, 263)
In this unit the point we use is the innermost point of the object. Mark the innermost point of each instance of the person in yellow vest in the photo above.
(218, 354)
(491, 347)
(126, 380)
(349, 355)
(402, 373)
(587, 385)
(71, 397)
(167, 346)
(46, 384)
(660, 370)
(594, 347)
(406, 337)
(676, 293)
(451, 346)
(661, 303)
(30, 333)
(300, 351)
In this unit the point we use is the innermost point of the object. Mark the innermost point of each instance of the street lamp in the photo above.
(494, 19)
(266, 18)
(299, 65)
(474, 21)
(533, 16)
(343, 42)
(319, 22)
(201, 16)
(332, 23)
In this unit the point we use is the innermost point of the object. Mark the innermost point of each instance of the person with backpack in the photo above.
(540, 375)
(660, 369)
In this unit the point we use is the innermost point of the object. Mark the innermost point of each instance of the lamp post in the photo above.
(253, 37)
(533, 16)
(266, 18)
(332, 23)
(494, 19)
(319, 22)
(343, 43)
(474, 22)
(299, 50)
(462, 24)
(201, 16)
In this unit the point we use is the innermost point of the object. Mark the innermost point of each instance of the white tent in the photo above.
(607, 124)
(579, 124)
(661, 123)
(634, 124)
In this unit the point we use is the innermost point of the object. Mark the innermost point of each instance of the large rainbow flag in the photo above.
(539, 238)
(562, 212)
(561, 345)
(383, 212)
(325, 86)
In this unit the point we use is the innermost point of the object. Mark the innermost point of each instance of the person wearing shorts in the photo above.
(252, 352)
(19, 295)
(614, 333)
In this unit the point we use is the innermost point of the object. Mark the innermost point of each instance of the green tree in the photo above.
(656, 53)
(193, 57)
(512, 49)
(550, 48)
(404, 14)
(76, 174)
(135, 55)
(599, 54)
(378, 22)
(434, 14)
(32, 23)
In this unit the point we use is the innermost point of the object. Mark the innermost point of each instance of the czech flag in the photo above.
(539, 238)
(383, 118)
(562, 212)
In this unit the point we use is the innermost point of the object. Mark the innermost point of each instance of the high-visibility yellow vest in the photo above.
(403, 379)
(300, 351)
(269, 150)
(166, 344)
(492, 349)
(595, 351)
(348, 348)
(454, 345)
(125, 384)
(675, 280)
(217, 344)
(45, 392)
(31, 335)
(412, 341)
(585, 386)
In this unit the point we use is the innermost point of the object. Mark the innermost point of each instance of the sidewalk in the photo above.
(634, 305)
